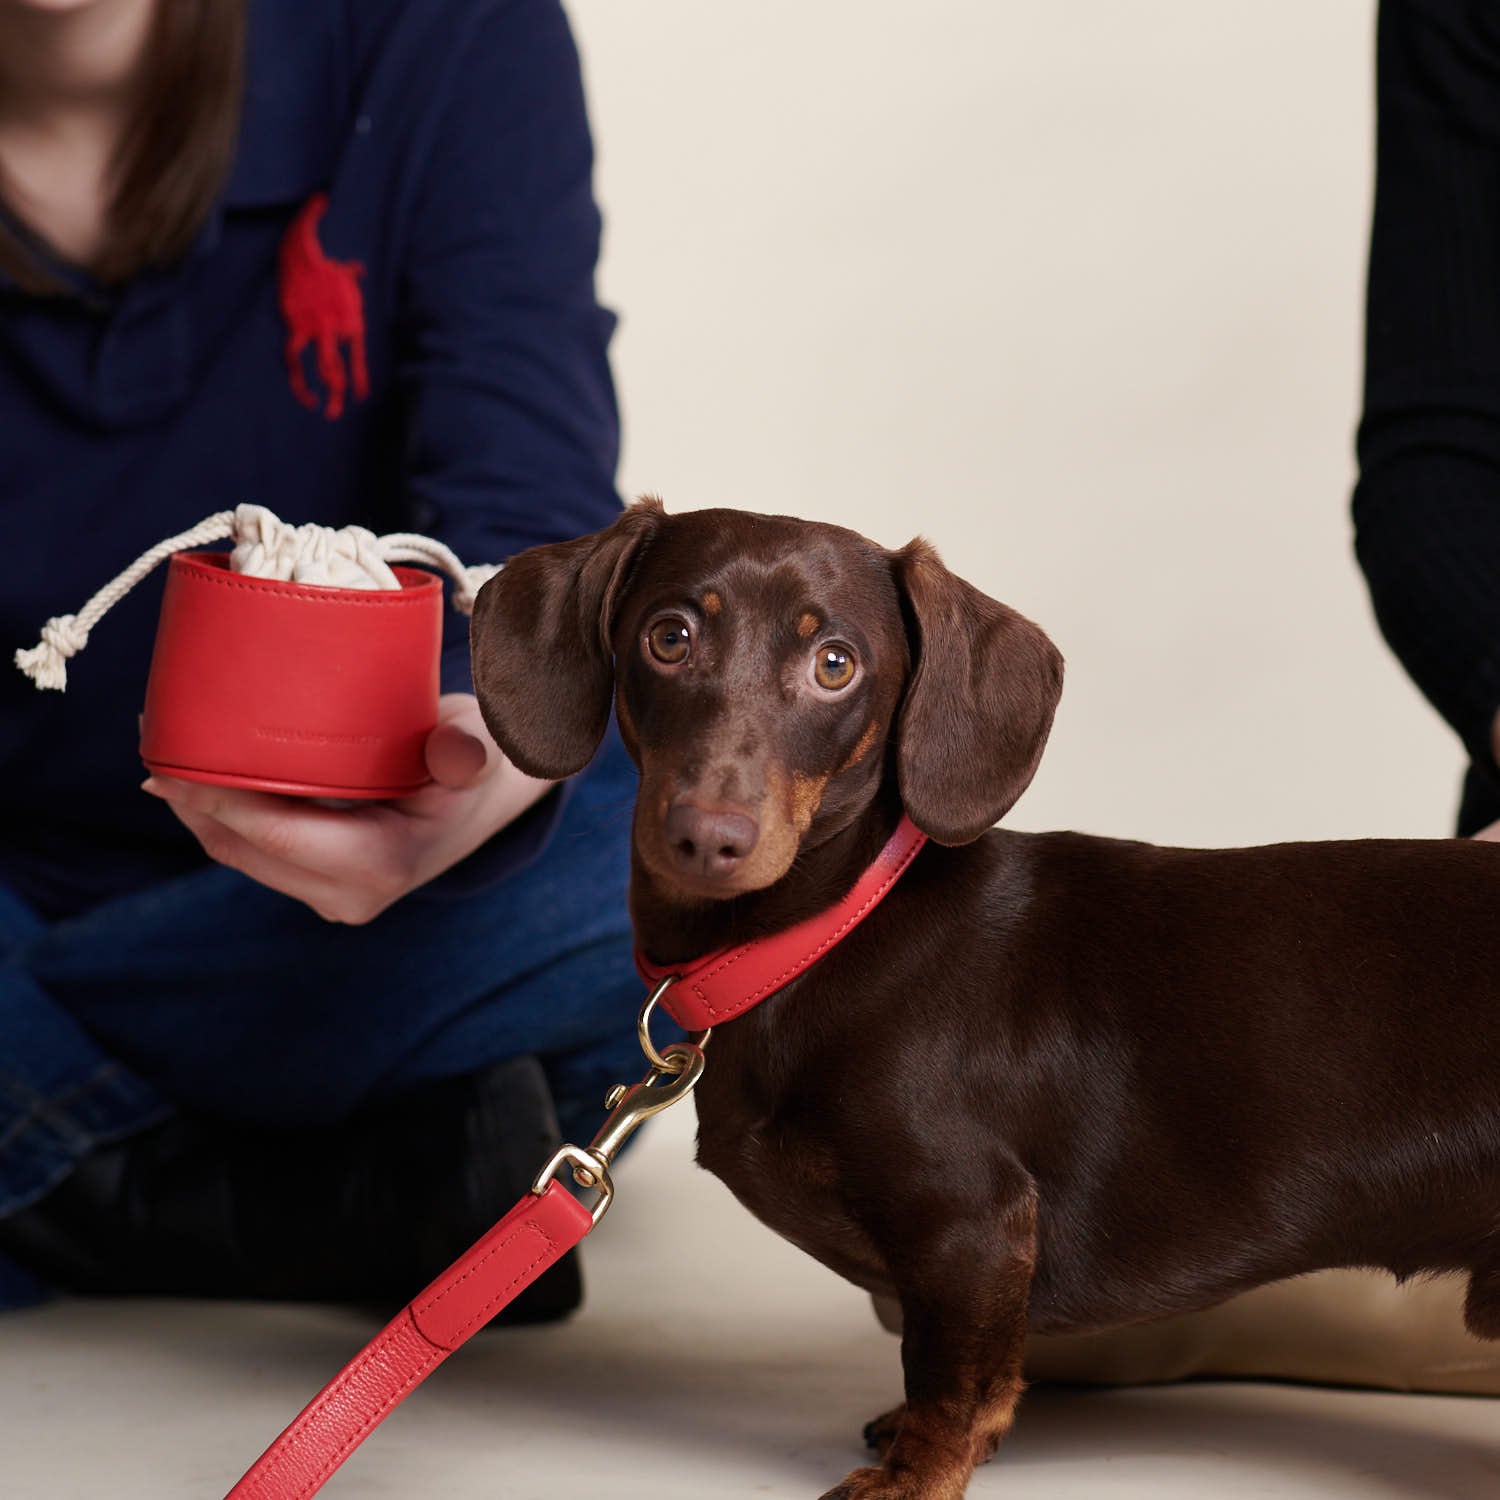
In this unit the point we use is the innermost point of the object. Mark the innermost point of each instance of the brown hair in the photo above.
(175, 152)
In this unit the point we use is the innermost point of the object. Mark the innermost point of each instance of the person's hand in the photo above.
(351, 861)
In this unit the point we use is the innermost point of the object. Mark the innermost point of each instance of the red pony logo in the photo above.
(322, 306)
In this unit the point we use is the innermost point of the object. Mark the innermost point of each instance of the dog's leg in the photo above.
(1482, 1303)
(963, 1287)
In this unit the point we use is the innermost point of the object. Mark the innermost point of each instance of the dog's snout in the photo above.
(708, 841)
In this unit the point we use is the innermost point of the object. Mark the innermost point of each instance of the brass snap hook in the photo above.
(675, 1071)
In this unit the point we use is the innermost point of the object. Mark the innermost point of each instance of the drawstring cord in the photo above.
(64, 636)
(409, 547)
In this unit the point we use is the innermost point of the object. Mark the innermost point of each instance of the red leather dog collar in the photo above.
(727, 983)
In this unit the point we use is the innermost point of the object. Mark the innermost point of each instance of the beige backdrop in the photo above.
(1074, 290)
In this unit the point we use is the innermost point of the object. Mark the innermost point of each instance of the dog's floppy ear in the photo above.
(540, 644)
(979, 703)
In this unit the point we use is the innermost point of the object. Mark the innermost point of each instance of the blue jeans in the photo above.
(213, 995)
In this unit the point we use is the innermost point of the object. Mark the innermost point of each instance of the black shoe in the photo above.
(367, 1211)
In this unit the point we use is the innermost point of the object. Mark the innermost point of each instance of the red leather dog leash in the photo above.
(534, 1234)
(549, 1221)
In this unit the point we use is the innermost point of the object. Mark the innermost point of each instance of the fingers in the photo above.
(227, 848)
(459, 750)
(456, 758)
(350, 862)
(336, 843)
(344, 863)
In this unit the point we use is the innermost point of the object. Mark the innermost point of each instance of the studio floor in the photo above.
(710, 1360)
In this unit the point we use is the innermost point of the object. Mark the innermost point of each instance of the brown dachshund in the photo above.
(1053, 1083)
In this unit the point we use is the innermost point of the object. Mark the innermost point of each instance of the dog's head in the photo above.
(766, 673)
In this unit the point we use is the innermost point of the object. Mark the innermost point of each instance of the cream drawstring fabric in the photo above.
(265, 547)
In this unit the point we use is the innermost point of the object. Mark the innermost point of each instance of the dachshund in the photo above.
(1054, 1082)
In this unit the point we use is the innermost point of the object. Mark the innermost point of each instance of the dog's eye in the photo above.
(834, 667)
(669, 640)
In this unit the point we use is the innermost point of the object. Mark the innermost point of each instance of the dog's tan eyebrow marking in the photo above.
(865, 741)
(807, 624)
(711, 602)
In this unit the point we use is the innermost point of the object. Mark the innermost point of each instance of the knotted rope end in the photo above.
(46, 663)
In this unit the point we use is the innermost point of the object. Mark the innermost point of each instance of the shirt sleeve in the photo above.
(512, 432)
(1427, 505)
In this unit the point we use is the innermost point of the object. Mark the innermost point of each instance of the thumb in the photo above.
(456, 757)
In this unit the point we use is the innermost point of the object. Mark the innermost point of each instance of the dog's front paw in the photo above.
(866, 1484)
(881, 1484)
(880, 1433)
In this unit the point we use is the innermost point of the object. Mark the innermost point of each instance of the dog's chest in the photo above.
(781, 1167)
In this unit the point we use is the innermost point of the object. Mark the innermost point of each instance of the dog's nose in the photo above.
(708, 842)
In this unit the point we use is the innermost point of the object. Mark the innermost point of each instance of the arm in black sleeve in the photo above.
(1427, 506)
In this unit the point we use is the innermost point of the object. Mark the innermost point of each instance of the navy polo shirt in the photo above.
(451, 140)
